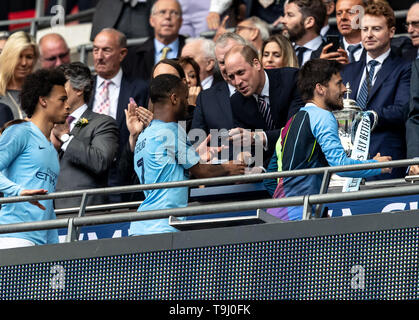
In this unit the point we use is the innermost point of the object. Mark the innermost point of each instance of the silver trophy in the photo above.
(348, 120)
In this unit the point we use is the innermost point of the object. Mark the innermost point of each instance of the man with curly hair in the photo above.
(28, 160)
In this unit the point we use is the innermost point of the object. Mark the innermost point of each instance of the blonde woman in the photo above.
(17, 61)
(277, 52)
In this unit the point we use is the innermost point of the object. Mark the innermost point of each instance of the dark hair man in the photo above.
(264, 101)
(303, 21)
(28, 161)
(87, 142)
(163, 153)
(312, 137)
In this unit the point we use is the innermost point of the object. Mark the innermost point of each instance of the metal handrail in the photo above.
(210, 209)
(308, 201)
(214, 181)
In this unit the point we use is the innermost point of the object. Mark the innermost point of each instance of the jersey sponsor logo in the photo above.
(49, 176)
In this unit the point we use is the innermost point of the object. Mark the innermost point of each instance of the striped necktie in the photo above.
(366, 85)
(265, 111)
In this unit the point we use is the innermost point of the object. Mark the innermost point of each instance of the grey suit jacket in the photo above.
(87, 159)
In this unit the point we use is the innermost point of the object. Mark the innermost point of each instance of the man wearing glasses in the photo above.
(166, 20)
(412, 25)
(53, 51)
(254, 30)
(412, 123)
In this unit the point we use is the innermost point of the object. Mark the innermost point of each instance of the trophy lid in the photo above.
(350, 104)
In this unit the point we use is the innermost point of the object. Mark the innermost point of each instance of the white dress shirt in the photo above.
(114, 89)
(380, 60)
(311, 46)
(77, 115)
(207, 82)
(357, 53)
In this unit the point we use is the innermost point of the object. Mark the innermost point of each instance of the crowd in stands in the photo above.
(181, 105)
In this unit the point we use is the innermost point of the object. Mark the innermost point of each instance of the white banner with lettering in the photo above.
(360, 150)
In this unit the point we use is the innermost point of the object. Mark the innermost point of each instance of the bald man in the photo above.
(53, 51)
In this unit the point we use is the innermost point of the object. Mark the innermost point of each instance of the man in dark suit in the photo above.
(87, 142)
(327, 28)
(303, 21)
(412, 27)
(347, 17)
(213, 109)
(412, 123)
(166, 20)
(113, 88)
(129, 17)
(351, 37)
(265, 100)
(381, 83)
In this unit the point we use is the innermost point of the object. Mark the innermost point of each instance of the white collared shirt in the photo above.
(172, 54)
(377, 68)
(77, 115)
(324, 30)
(232, 89)
(311, 46)
(114, 89)
(265, 90)
(357, 53)
(207, 82)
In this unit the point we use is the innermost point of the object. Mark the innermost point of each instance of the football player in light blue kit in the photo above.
(163, 154)
(28, 161)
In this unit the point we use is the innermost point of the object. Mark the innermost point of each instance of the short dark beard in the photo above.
(333, 106)
(297, 33)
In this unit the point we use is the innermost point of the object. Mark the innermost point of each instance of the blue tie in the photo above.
(352, 48)
(366, 85)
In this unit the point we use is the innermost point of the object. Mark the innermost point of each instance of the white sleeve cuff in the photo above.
(219, 6)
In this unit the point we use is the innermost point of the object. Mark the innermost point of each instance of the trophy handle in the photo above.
(375, 115)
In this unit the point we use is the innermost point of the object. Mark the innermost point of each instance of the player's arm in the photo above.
(204, 170)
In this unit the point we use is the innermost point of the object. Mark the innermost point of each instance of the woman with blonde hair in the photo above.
(17, 61)
(277, 52)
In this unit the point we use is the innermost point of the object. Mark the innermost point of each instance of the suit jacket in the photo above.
(110, 14)
(213, 109)
(412, 123)
(5, 114)
(140, 59)
(130, 87)
(88, 157)
(401, 46)
(285, 101)
(268, 14)
(389, 97)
